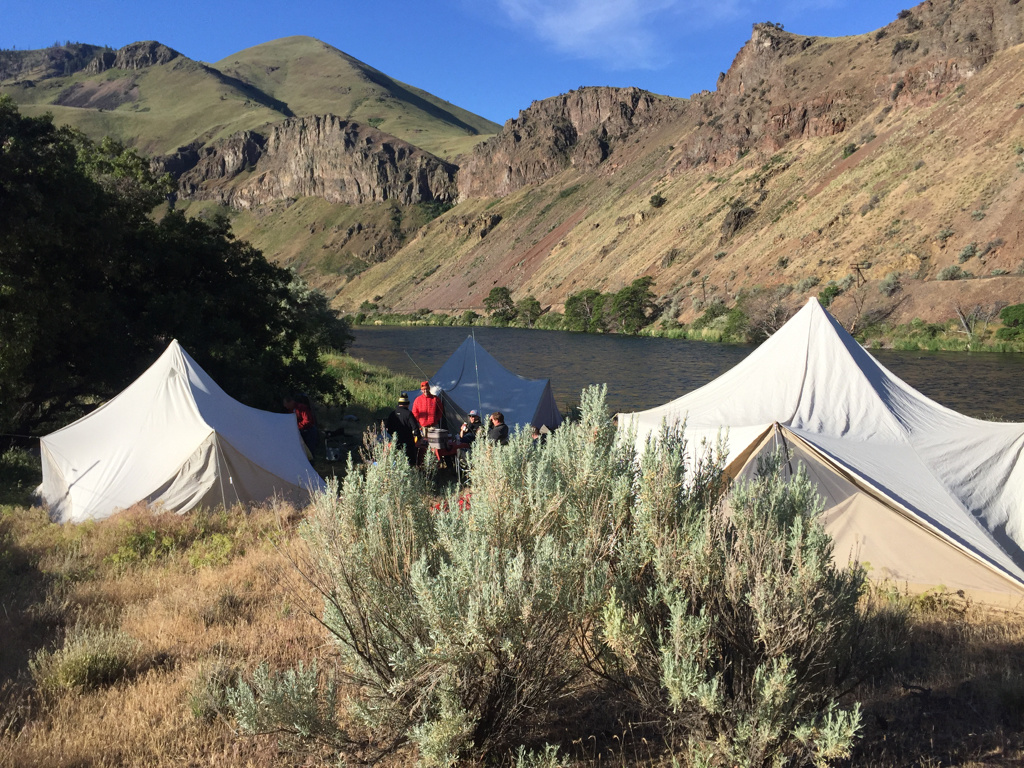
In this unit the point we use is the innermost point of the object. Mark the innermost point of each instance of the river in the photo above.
(643, 372)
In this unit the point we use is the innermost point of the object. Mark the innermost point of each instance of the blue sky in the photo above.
(492, 57)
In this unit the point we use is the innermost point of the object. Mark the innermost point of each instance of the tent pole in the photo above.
(476, 365)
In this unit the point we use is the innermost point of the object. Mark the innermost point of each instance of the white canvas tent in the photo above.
(176, 440)
(473, 379)
(923, 495)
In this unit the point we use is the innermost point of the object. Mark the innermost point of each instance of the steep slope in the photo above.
(314, 78)
(816, 159)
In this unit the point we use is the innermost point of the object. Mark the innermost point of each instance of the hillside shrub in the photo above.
(657, 201)
(953, 272)
(803, 286)
(968, 252)
(715, 309)
(891, 284)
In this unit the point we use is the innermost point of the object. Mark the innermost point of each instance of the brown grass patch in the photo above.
(955, 694)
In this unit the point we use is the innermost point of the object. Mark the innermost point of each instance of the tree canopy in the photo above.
(93, 287)
(499, 304)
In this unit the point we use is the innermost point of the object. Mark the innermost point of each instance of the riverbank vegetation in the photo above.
(753, 317)
(546, 615)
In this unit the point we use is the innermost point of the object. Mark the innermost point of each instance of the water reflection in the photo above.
(644, 372)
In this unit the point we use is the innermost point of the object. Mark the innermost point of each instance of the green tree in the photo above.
(633, 307)
(499, 305)
(584, 311)
(528, 310)
(92, 288)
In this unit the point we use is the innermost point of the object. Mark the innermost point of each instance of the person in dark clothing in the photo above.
(499, 429)
(403, 428)
(469, 431)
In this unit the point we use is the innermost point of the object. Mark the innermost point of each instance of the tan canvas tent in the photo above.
(175, 440)
(921, 494)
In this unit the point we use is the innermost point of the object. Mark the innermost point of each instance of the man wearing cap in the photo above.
(468, 431)
(428, 408)
(403, 428)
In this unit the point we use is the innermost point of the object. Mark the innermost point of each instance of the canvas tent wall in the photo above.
(473, 379)
(175, 440)
(924, 495)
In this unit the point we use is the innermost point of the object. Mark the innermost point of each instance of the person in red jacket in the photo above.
(299, 405)
(428, 408)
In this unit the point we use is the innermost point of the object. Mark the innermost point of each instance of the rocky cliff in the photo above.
(782, 87)
(578, 129)
(322, 156)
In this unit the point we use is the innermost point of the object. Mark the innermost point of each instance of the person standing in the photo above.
(499, 429)
(428, 408)
(403, 428)
(299, 405)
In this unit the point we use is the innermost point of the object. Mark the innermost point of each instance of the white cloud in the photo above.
(621, 34)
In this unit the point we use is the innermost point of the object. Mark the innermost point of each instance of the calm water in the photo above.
(644, 372)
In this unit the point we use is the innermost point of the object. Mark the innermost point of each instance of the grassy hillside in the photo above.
(162, 107)
(314, 78)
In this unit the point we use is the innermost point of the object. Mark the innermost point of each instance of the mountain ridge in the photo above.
(890, 157)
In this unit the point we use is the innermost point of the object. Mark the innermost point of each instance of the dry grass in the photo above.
(955, 697)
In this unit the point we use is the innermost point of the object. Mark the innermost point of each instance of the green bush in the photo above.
(1013, 315)
(90, 657)
(458, 625)
(731, 623)
(298, 704)
(461, 624)
(715, 310)
(657, 201)
(828, 294)
(19, 475)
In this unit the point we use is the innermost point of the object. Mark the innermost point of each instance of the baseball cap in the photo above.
(474, 412)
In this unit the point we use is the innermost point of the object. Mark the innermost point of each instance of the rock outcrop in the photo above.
(145, 54)
(323, 156)
(578, 129)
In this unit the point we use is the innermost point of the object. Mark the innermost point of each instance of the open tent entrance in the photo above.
(866, 526)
